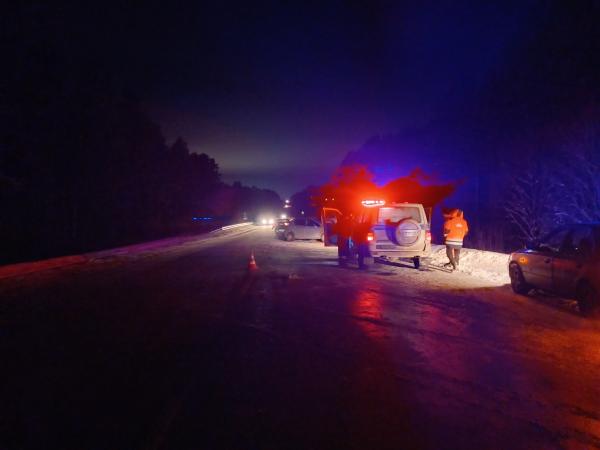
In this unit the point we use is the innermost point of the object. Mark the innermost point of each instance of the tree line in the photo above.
(526, 148)
(87, 170)
(82, 166)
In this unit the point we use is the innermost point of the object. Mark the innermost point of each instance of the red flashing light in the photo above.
(370, 237)
(373, 203)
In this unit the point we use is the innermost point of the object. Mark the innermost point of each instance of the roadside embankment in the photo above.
(25, 268)
(490, 266)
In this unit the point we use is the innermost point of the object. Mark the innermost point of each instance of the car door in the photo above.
(568, 264)
(313, 229)
(538, 270)
(300, 228)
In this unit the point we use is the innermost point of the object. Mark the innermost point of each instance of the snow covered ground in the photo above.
(489, 266)
(142, 250)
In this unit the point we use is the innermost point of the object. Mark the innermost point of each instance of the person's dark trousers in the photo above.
(363, 252)
(453, 253)
(342, 249)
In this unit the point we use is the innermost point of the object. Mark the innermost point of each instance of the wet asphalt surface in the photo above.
(184, 349)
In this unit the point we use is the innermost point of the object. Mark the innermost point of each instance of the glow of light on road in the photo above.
(367, 309)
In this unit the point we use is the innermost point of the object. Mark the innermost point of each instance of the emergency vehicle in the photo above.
(395, 230)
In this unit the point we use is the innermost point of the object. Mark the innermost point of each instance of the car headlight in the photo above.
(271, 221)
(263, 221)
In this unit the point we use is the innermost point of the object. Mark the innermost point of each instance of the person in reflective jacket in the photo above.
(455, 230)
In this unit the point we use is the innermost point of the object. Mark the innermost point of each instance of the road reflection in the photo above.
(367, 309)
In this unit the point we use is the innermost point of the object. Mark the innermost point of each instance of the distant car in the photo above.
(265, 220)
(401, 230)
(300, 228)
(566, 262)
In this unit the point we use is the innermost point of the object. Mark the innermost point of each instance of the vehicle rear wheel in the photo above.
(517, 280)
(289, 236)
(587, 299)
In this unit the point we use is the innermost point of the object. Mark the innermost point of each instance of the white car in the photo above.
(300, 228)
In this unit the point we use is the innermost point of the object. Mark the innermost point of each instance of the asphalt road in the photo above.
(181, 348)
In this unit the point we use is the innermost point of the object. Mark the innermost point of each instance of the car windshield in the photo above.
(396, 214)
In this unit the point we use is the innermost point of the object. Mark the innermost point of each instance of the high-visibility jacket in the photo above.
(455, 228)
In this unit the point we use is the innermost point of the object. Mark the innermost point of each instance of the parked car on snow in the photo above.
(566, 262)
(300, 228)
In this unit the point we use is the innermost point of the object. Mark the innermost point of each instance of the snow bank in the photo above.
(167, 243)
(21, 269)
(15, 270)
(490, 266)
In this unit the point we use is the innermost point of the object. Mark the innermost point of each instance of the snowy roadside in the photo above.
(481, 267)
(490, 266)
(135, 250)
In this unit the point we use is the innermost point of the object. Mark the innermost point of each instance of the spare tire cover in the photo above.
(407, 232)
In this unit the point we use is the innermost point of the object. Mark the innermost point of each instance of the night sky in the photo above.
(279, 93)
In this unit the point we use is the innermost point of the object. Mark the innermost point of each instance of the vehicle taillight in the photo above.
(370, 237)
(428, 235)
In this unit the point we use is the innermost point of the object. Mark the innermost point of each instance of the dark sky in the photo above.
(279, 92)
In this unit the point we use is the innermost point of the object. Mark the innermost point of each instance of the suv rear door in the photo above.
(388, 220)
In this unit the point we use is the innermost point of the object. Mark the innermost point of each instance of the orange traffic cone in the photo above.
(252, 263)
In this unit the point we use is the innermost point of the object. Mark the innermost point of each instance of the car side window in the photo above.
(554, 241)
(579, 243)
(314, 223)
(300, 222)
